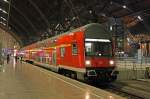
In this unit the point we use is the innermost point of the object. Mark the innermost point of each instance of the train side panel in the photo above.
(73, 48)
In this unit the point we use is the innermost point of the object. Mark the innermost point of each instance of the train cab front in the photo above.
(99, 61)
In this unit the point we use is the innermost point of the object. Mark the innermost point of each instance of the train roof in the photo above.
(95, 28)
(92, 30)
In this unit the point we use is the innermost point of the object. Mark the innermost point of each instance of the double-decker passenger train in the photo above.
(85, 53)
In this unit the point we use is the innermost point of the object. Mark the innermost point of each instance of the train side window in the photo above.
(62, 51)
(74, 49)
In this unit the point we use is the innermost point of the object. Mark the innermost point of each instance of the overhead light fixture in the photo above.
(3, 11)
(3, 18)
(111, 28)
(73, 18)
(90, 11)
(124, 6)
(6, 1)
(3, 23)
(139, 17)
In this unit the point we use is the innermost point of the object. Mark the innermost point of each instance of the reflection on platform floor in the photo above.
(25, 81)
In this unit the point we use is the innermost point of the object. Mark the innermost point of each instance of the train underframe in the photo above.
(101, 75)
(95, 75)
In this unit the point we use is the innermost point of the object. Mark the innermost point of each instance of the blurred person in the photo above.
(8, 58)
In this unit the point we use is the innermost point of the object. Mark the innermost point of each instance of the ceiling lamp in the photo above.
(111, 28)
(139, 17)
(3, 18)
(2, 23)
(90, 11)
(124, 6)
(3, 11)
(6, 1)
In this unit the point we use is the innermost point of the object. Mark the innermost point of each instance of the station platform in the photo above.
(25, 81)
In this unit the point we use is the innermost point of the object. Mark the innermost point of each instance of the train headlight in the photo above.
(111, 62)
(87, 62)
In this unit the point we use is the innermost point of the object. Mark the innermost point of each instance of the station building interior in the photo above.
(26, 22)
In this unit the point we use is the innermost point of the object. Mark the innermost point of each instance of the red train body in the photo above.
(83, 53)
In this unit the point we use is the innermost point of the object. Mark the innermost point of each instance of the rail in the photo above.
(128, 92)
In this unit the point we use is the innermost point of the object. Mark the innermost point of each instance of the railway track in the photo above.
(127, 93)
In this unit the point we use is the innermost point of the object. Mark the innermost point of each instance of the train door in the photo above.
(54, 57)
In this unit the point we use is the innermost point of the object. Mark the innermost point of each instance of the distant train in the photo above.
(85, 53)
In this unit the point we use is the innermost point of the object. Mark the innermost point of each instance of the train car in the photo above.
(85, 53)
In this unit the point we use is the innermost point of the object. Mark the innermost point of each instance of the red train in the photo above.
(85, 53)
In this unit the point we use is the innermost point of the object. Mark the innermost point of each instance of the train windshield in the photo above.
(99, 49)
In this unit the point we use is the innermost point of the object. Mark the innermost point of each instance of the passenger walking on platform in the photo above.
(8, 58)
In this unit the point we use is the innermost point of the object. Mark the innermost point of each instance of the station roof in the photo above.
(33, 20)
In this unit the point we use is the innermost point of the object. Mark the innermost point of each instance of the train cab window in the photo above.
(99, 49)
(74, 49)
(62, 51)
